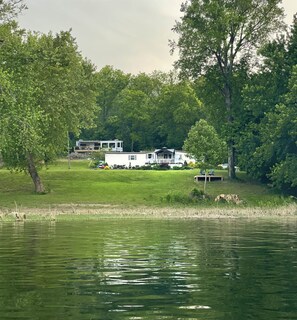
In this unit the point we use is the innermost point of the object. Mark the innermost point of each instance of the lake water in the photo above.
(148, 269)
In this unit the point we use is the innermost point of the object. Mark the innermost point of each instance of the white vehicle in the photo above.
(223, 165)
(226, 166)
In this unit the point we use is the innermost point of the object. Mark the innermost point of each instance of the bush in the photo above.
(284, 175)
(161, 166)
(182, 168)
(192, 165)
(197, 194)
(178, 197)
(145, 167)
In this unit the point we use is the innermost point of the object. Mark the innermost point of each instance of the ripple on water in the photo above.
(148, 270)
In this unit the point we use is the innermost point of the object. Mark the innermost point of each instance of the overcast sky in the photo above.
(131, 35)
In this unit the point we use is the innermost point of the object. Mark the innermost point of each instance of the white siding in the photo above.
(133, 159)
(125, 159)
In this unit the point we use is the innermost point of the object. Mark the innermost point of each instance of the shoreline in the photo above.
(85, 211)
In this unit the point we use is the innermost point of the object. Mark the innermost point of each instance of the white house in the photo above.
(137, 159)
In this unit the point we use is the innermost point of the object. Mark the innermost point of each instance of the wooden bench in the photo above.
(208, 178)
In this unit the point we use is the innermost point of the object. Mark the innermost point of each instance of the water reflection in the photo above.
(133, 269)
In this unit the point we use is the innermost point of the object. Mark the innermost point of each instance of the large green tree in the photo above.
(109, 84)
(132, 118)
(204, 144)
(220, 34)
(178, 109)
(282, 124)
(267, 143)
(50, 92)
(262, 92)
(150, 87)
(275, 155)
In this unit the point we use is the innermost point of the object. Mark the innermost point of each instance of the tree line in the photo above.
(146, 111)
(235, 77)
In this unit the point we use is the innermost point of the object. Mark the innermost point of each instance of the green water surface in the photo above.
(148, 269)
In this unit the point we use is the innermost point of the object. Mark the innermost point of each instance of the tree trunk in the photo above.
(39, 188)
(231, 149)
(205, 179)
(231, 160)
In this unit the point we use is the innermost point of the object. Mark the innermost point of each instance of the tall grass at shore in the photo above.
(84, 186)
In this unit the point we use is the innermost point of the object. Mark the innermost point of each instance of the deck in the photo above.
(208, 178)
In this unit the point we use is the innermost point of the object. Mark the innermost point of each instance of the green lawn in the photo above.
(82, 185)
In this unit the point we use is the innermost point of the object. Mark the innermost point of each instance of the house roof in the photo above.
(164, 149)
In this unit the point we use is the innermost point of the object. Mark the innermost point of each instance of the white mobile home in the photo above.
(159, 156)
(86, 146)
(126, 159)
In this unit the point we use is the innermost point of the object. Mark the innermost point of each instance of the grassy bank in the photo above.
(85, 187)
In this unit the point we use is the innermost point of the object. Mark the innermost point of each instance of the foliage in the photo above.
(217, 36)
(9, 10)
(280, 139)
(98, 155)
(109, 83)
(197, 194)
(82, 185)
(51, 92)
(203, 143)
(178, 109)
(284, 174)
(146, 111)
(194, 197)
(132, 118)
(267, 145)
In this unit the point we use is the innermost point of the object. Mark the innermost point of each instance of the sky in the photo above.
(130, 35)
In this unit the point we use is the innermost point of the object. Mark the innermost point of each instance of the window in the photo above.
(132, 157)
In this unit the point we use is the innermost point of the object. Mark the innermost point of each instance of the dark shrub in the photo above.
(197, 194)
